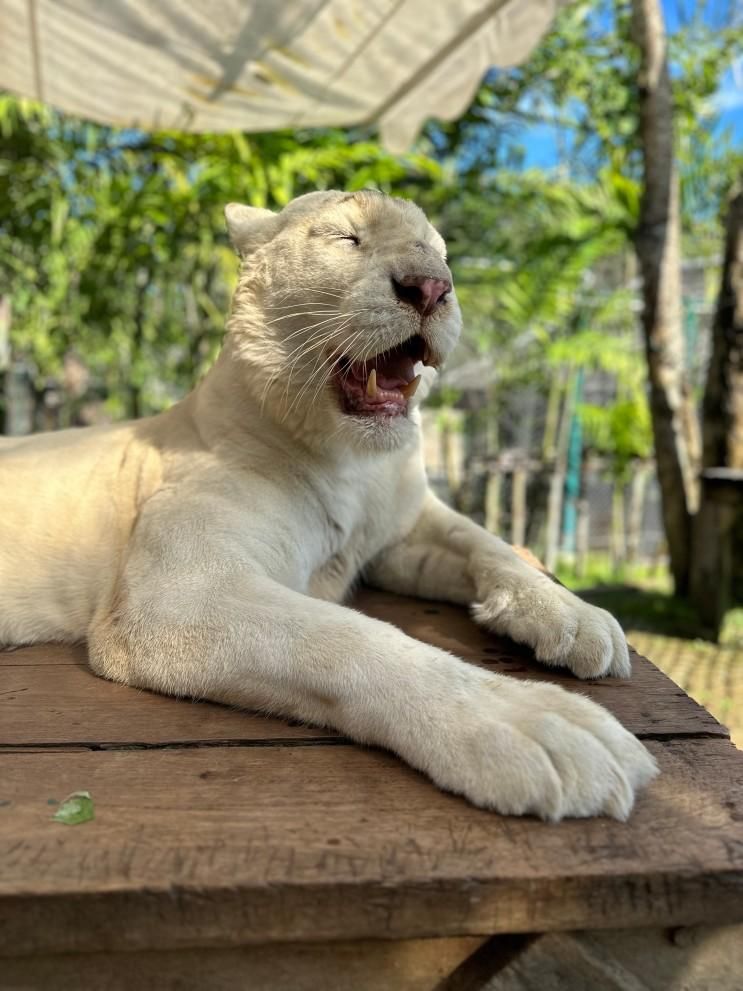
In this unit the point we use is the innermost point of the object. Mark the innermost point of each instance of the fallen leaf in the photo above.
(76, 808)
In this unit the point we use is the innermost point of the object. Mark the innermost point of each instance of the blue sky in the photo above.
(728, 101)
(541, 141)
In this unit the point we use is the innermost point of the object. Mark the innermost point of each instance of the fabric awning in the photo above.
(260, 65)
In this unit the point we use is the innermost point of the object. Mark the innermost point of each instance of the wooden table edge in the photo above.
(184, 916)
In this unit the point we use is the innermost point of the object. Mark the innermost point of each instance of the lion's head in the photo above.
(343, 300)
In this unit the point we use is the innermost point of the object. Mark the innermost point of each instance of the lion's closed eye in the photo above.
(333, 233)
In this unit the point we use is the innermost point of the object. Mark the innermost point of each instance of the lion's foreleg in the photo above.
(507, 745)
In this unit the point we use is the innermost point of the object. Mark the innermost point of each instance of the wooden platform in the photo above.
(219, 832)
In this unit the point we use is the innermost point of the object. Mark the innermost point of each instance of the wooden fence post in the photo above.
(618, 542)
(638, 487)
(582, 536)
(492, 501)
(518, 505)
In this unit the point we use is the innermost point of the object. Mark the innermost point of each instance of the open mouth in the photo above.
(382, 385)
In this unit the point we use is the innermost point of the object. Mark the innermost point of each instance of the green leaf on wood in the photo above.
(75, 809)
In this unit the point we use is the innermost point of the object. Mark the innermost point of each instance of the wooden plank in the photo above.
(233, 846)
(62, 705)
(46, 701)
(370, 965)
(649, 704)
(44, 655)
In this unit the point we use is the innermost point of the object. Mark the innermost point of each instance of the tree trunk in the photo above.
(144, 277)
(717, 564)
(4, 363)
(657, 243)
(723, 395)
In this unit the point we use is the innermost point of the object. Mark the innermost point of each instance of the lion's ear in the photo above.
(248, 226)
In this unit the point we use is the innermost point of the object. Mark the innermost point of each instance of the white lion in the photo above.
(205, 552)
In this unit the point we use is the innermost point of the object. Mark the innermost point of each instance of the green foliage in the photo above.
(113, 242)
(599, 569)
(621, 430)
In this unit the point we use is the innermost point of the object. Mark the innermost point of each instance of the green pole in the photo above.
(572, 475)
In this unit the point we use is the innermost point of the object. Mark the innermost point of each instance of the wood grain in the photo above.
(649, 704)
(46, 700)
(67, 704)
(225, 846)
(43, 655)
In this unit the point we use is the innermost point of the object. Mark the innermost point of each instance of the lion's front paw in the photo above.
(561, 628)
(530, 748)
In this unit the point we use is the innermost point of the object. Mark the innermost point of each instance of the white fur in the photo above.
(204, 552)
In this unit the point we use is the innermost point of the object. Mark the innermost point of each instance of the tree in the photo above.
(717, 562)
(723, 396)
(658, 245)
(613, 103)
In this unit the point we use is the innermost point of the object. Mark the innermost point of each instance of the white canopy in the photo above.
(260, 65)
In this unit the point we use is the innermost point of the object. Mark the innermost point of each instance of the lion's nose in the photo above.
(422, 292)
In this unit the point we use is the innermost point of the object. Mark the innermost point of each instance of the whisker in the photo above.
(316, 336)
(299, 313)
(315, 369)
(305, 328)
(349, 344)
(317, 340)
(335, 291)
(327, 304)
(340, 316)
(324, 336)
(306, 347)
(318, 367)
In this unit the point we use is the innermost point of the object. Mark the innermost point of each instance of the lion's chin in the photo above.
(375, 433)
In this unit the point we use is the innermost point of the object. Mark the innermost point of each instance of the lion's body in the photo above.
(77, 497)
(68, 504)
(204, 552)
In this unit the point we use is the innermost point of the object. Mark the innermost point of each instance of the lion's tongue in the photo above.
(394, 371)
(384, 383)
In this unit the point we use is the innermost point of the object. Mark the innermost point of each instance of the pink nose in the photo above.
(420, 291)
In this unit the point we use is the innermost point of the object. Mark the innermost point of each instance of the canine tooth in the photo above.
(411, 388)
(371, 385)
(426, 355)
